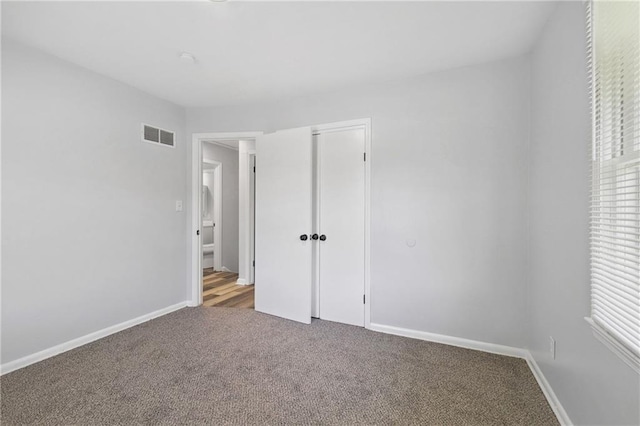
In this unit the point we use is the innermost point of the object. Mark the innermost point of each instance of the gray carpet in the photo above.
(237, 366)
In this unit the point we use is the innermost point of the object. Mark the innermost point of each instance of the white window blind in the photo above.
(614, 59)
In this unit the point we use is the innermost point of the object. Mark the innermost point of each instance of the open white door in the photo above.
(283, 224)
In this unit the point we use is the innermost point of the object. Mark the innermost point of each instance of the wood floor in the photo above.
(220, 289)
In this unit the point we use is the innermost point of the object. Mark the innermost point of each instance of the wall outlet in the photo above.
(179, 206)
(552, 347)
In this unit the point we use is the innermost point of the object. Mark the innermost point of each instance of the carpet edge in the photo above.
(27, 360)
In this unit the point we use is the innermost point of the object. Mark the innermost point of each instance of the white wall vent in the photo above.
(158, 136)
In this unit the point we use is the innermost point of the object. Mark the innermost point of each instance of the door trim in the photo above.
(252, 216)
(195, 298)
(246, 226)
(363, 123)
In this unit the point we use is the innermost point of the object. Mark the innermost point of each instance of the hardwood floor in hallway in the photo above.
(219, 289)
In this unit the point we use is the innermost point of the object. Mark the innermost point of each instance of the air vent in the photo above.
(157, 135)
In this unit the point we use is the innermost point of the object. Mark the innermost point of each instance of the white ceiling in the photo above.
(252, 52)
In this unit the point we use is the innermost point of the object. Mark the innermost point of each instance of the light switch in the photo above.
(179, 205)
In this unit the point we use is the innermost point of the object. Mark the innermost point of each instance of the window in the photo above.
(614, 53)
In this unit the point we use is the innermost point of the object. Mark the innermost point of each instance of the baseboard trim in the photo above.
(242, 281)
(80, 341)
(548, 392)
(453, 341)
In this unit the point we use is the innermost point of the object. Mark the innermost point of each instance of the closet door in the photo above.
(341, 203)
(283, 223)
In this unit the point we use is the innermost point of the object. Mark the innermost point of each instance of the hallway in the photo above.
(219, 289)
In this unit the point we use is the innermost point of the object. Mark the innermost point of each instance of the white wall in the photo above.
(449, 169)
(593, 385)
(208, 182)
(229, 159)
(90, 236)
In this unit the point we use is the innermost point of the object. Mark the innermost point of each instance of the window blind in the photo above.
(614, 61)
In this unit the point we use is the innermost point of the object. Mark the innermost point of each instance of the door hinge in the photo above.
(254, 169)
(198, 232)
(254, 263)
(364, 299)
(365, 156)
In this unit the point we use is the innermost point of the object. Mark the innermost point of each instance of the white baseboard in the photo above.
(453, 341)
(225, 269)
(548, 392)
(242, 281)
(553, 400)
(91, 337)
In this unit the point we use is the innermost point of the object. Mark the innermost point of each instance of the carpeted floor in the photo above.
(228, 365)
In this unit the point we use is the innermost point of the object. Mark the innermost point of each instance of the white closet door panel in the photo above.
(283, 213)
(341, 219)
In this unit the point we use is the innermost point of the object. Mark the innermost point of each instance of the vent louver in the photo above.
(158, 136)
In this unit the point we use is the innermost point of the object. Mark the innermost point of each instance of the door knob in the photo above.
(304, 237)
(314, 237)
(323, 237)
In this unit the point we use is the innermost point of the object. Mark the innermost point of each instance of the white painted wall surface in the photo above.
(208, 187)
(593, 385)
(90, 236)
(229, 159)
(449, 169)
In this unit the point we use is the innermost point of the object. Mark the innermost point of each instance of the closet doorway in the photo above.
(312, 223)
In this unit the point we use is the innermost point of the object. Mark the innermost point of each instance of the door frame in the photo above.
(196, 205)
(246, 275)
(217, 212)
(363, 123)
(252, 216)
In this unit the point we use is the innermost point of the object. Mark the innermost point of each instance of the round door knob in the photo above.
(323, 237)
(304, 237)
(314, 237)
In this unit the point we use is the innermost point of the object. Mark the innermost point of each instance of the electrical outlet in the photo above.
(179, 206)
(552, 347)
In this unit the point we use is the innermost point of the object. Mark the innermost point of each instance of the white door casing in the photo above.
(283, 213)
(252, 217)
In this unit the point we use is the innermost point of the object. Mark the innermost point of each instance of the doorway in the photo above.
(221, 220)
